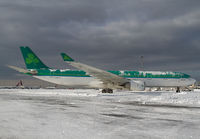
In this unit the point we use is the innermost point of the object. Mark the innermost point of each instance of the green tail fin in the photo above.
(66, 57)
(31, 60)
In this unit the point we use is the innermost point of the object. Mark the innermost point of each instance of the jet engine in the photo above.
(135, 85)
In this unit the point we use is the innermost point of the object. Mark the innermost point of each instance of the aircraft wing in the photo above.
(104, 76)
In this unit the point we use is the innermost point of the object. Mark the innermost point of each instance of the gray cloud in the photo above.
(107, 34)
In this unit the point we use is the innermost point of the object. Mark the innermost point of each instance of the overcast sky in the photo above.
(108, 34)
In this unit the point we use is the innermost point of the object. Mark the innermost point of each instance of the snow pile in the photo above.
(83, 113)
(189, 98)
(52, 92)
(164, 97)
(183, 98)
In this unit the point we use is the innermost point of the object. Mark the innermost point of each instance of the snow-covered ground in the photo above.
(89, 114)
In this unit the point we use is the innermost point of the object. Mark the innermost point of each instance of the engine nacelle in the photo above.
(135, 85)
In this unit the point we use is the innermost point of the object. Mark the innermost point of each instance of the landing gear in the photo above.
(178, 90)
(107, 90)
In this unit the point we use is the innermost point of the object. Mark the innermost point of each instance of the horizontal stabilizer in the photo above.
(23, 70)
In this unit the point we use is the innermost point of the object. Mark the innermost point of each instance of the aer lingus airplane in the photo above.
(91, 77)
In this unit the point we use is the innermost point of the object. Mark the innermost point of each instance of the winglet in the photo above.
(66, 57)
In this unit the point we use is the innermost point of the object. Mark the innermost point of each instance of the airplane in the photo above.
(91, 77)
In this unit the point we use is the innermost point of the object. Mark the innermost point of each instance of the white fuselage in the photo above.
(91, 82)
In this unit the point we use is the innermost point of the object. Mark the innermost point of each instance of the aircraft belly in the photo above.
(150, 82)
(89, 82)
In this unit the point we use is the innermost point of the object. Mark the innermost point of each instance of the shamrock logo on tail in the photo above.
(31, 59)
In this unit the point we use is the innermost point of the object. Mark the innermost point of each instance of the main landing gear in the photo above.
(178, 90)
(107, 90)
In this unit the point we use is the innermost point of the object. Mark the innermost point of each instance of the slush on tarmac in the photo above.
(81, 113)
